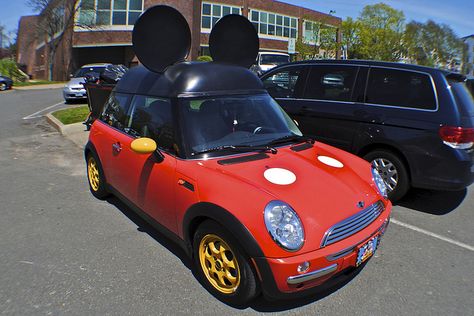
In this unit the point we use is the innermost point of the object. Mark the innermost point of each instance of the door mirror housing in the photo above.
(143, 145)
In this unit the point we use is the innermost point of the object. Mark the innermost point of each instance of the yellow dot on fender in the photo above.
(143, 145)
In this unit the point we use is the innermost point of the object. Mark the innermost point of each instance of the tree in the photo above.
(350, 30)
(432, 44)
(321, 41)
(57, 18)
(380, 32)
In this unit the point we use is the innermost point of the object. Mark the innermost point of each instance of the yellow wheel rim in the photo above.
(93, 172)
(219, 264)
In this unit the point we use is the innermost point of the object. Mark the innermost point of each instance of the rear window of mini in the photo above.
(400, 88)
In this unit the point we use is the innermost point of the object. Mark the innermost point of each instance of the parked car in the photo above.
(268, 60)
(414, 124)
(202, 152)
(5, 83)
(74, 89)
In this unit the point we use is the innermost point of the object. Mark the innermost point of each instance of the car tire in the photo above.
(222, 266)
(95, 177)
(392, 170)
(3, 86)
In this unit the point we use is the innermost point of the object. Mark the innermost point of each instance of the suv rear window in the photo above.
(401, 88)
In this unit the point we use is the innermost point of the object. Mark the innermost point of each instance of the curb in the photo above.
(40, 87)
(75, 132)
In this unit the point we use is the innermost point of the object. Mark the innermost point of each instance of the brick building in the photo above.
(101, 31)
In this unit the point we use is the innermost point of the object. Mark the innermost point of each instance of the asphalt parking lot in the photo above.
(64, 252)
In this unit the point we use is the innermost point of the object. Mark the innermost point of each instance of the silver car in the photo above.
(74, 89)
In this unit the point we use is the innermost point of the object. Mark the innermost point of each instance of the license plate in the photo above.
(79, 95)
(367, 250)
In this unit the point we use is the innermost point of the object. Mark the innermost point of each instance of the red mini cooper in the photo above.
(202, 152)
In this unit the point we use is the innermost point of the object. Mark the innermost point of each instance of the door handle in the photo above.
(117, 147)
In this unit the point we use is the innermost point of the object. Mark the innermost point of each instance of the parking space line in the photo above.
(440, 237)
(36, 114)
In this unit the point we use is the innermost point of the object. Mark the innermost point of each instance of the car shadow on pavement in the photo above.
(145, 227)
(262, 304)
(433, 202)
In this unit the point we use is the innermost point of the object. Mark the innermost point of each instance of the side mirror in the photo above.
(143, 145)
(71, 75)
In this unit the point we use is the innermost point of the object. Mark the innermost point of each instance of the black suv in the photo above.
(415, 124)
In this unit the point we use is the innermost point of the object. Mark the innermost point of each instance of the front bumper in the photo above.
(70, 94)
(280, 278)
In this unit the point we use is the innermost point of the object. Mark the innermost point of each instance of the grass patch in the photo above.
(74, 115)
(34, 83)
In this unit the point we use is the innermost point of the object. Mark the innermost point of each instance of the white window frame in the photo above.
(110, 26)
(211, 15)
(269, 36)
(311, 41)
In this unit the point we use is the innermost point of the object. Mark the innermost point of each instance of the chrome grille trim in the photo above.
(353, 224)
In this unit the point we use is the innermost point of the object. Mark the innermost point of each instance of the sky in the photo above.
(458, 14)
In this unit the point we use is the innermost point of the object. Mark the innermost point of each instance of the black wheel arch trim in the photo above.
(199, 212)
(89, 147)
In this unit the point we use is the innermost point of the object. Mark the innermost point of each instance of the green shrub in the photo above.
(9, 68)
(204, 58)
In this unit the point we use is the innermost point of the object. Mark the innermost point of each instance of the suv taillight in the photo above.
(457, 137)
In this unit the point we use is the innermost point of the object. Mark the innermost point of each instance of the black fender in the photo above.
(89, 147)
(202, 211)
(199, 212)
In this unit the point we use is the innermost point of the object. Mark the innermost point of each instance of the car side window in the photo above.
(400, 88)
(285, 84)
(335, 83)
(115, 110)
(152, 117)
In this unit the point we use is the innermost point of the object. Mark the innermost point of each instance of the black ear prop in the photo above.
(161, 37)
(234, 40)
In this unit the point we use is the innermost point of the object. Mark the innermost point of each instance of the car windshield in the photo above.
(223, 123)
(82, 72)
(267, 59)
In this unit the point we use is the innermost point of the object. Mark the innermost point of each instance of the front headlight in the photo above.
(379, 183)
(284, 225)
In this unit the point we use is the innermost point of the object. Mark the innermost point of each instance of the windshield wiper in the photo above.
(290, 138)
(237, 148)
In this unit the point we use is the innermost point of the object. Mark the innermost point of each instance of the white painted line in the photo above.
(420, 230)
(36, 114)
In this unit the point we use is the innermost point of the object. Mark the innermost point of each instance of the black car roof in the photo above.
(188, 79)
(366, 63)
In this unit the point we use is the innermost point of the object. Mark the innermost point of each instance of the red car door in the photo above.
(148, 180)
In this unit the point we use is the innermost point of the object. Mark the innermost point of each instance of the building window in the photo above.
(267, 23)
(211, 13)
(109, 12)
(311, 32)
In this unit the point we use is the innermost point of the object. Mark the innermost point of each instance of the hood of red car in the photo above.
(322, 184)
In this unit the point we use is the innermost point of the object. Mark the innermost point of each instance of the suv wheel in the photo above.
(222, 265)
(3, 86)
(392, 170)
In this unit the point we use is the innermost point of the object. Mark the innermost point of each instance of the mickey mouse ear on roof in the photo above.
(161, 37)
(234, 40)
